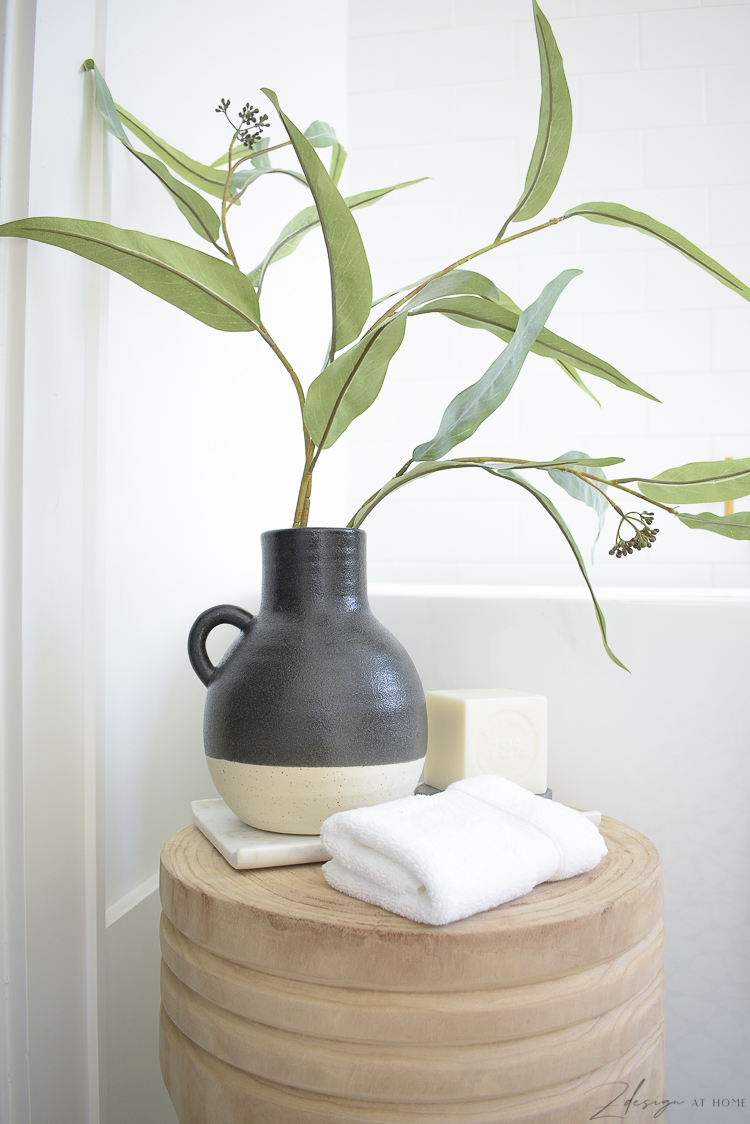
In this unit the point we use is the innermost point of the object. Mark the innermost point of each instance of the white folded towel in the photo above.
(435, 859)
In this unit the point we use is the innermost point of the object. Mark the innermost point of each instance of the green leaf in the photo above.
(288, 241)
(200, 175)
(350, 385)
(260, 165)
(402, 289)
(351, 283)
(550, 508)
(194, 207)
(198, 212)
(615, 214)
(572, 374)
(578, 488)
(105, 104)
(736, 526)
(501, 320)
(458, 282)
(242, 179)
(426, 468)
(474, 405)
(338, 159)
(208, 289)
(307, 220)
(321, 135)
(555, 126)
(700, 482)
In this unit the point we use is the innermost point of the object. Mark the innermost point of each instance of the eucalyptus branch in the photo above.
(462, 261)
(340, 398)
(590, 481)
(224, 207)
(303, 499)
(260, 152)
(631, 492)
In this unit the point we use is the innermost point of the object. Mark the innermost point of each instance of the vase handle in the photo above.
(219, 614)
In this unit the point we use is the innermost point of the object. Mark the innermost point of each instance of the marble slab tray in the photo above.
(249, 848)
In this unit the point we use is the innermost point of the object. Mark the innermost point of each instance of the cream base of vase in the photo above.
(297, 800)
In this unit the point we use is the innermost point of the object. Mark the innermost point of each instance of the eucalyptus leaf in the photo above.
(242, 178)
(555, 126)
(349, 386)
(208, 179)
(572, 374)
(550, 508)
(501, 320)
(401, 289)
(579, 489)
(615, 214)
(288, 241)
(456, 283)
(199, 213)
(197, 210)
(735, 526)
(697, 482)
(205, 287)
(351, 283)
(321, 135)
(307, 220)
(105, 104)
(474, 405)
(338, 159)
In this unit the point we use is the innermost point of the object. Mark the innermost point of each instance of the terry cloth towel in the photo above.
(435, 859)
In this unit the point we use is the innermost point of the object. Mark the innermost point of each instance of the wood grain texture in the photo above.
(369, 1015)
(286, 1001)
(205, 1090)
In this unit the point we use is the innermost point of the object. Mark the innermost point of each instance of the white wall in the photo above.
(660, 123)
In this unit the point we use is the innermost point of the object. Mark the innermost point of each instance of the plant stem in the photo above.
(260, 152)
(462, 261)
(631, 492)
(303, 499)
(280, 354)
(596, 488)
(227, 182)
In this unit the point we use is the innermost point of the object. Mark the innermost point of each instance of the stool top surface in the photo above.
(289, 916)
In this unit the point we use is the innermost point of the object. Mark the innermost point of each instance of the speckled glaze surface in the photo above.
(312, 683)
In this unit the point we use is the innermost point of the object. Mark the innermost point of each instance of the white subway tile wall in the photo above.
(661, 106)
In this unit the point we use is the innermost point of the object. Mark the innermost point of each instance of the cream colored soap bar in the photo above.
(487, 731)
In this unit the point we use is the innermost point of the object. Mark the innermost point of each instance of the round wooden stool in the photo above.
(286, 1002)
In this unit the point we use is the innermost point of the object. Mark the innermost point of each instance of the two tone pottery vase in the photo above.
(315, 707)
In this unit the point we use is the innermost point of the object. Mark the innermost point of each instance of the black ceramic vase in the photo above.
(315, 707)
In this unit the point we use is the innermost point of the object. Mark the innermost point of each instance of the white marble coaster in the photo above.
(249, 848)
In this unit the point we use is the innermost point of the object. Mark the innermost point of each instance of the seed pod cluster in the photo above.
(643, 537)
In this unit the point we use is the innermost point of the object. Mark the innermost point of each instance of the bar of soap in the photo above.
(493, 730)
